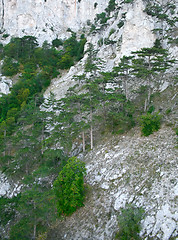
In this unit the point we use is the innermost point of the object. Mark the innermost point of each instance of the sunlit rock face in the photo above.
(5, 84)
(47, 19)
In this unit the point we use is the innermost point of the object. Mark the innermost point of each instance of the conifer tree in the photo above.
(123, 71)
(148, 63)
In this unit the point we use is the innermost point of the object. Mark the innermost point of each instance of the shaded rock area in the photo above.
(127, 169)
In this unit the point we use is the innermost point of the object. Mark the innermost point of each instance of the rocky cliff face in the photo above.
(127, 169)
(46, 19)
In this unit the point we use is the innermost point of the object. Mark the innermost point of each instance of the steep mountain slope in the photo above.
(127, 169)
(121, 169)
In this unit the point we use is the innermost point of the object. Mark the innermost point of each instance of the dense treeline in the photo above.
(36, 67)
(22, 130)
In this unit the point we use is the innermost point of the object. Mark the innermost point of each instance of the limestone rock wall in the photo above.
(46, 19)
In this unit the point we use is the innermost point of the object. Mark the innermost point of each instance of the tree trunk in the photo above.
(42, 139)
(91, 136)
(34, 227)
(5, 142)
(145, 105)
(34, 232)
(83, 140)
(126, 89)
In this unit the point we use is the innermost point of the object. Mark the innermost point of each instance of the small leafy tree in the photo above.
(69, 187)
(150, 123)
(129, 223)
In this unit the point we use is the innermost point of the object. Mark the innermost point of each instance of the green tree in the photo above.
(10, 67)
(166, 17)
(129, 223)
(148, 64)
(111, 6)
(150, 123)
(57, 42)
(69, 187)
(36, 208)
(123, 72)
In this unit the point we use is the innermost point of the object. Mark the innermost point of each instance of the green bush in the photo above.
(120, 24)
(69, 187)
(111, 6)
(100, 42)
(111, 31)
(129, 223)
(150, 123)
(93, 27)
(57, 42)
(102, 17)
(10, 67)
(128, 1)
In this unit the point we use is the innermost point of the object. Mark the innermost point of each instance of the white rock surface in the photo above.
(4, 185)
(128, 169)
(5, 85)
(46, 19)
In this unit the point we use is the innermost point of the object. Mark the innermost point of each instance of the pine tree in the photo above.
(123, 71)
(148, 63)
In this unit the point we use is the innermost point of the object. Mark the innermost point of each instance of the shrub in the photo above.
(120, 24)
(10, 67)
(128, 1)
(57, 42)
(5, 35)
(150, 123)
(93, 27)
(69, 187)
(95, 5)
(129, 223)
(112, 31)
(100, 42)
(102, 17)
(111, 6)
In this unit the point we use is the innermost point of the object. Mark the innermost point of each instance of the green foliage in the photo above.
(128, 1)
(129, 223)
(53, 161)
(111, 31)
(148, 63)
(10, 67)
(66, 61)
(120, 24)
(37, 67)
(21, 230)
(107, 41)
(69, 187)
(5, 35)
(57, 42)
(7, 209)
(95, 4)
(119, 117)
(36, 209)
(165, 13)
(154, 10)
(101, 18)
(1, 51)
(150, 123)
(111, 6)
(176, 130)
(21, 48)
(93, 27)
(100, 42)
